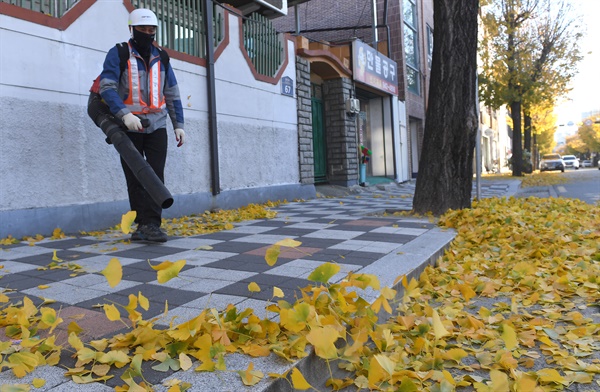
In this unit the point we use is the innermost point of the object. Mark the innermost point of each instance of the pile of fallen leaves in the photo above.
(543, 179)
(512, 306)
(210, 222)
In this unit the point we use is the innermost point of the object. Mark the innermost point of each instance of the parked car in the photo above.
(552, 162)
(587, 163)
(571, 162)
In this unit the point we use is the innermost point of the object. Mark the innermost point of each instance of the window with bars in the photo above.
(263, 44)
(429, 46)
(54, 8)
(411, 46)
(181, 24)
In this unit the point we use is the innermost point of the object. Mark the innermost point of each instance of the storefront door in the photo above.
(318, 129)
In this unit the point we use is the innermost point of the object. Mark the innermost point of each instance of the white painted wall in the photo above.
(55, 163)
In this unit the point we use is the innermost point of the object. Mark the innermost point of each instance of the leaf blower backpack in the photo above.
(114, 129)
(95, 98)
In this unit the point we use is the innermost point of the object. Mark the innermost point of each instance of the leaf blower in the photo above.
(114, 129)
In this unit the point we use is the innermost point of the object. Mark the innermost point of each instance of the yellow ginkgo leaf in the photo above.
(38, 382)
(386, 363)
(379, 302)
(324, 338)
(75, 342)
(250, 376)
(49, 318)
(324, 272)
(499, 381)
(127, 220)
(22, 363)
(438, 327)
(253, 287)
(290, 243)
(43, 287)
(56, 258)
(74, 328)
(272, 254)
(204, 247)
(112, 313)
(144, 303)
(277, 292)
(509, 336)
(168, 270)
(184, 361)
(401, 278)
(298, 380)
(113, 272)
(456, 354)
(551, 375)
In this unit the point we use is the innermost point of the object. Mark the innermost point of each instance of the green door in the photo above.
(318, 129)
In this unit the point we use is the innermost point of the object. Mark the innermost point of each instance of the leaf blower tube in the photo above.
(113, 128)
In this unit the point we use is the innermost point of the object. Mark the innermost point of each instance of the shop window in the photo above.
(411, 46)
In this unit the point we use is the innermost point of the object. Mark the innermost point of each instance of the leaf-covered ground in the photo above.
(513, 305)
(543, 179)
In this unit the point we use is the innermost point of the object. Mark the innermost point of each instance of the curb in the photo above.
(313, 368)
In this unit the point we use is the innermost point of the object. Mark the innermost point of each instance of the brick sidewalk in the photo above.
(350, 231)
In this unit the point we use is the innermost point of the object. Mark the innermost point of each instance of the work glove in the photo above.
(132, 122)
(179, 136)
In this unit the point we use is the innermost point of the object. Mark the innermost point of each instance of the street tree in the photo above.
(587, 138)
(555, 32)
(543, 128)
(446, 162)
(529, 54)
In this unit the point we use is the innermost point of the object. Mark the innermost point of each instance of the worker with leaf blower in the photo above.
(139, 87)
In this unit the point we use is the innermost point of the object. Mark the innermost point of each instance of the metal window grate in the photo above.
(263, 44)
(54, 8)
(181, 24)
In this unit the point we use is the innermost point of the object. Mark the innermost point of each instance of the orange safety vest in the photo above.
(134, 101)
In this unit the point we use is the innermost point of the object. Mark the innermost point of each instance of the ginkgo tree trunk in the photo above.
(445, 176)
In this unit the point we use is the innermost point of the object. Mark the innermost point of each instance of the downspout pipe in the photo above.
(211, 98)
(297, 19)
(389, 54)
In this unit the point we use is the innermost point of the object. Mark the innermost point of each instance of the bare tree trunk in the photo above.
(527, 166)
(526, 131)
(445, 178)
(517, 148)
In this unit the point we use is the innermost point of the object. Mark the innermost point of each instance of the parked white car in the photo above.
(552, 162)
(571, 161)
(587, 163)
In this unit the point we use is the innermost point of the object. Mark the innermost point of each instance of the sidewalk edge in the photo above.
(431, 246)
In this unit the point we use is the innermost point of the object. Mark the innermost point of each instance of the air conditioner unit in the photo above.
(279, 6)
(268, 8)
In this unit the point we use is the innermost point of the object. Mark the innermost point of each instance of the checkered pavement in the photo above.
(350, 231)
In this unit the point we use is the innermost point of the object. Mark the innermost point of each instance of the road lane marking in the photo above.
(561, 189)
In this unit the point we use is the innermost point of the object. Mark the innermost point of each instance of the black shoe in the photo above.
(150, 232)
(137, 235)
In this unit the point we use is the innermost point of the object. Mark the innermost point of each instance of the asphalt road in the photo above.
(583, 184)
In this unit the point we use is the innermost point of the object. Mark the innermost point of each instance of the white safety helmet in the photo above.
(142, 17)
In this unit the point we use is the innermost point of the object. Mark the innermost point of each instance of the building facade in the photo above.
(58, 172)
(389, 124)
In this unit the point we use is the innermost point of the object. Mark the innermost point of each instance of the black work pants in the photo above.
(153, 147)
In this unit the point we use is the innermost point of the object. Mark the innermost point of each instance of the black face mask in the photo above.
(142, 41)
